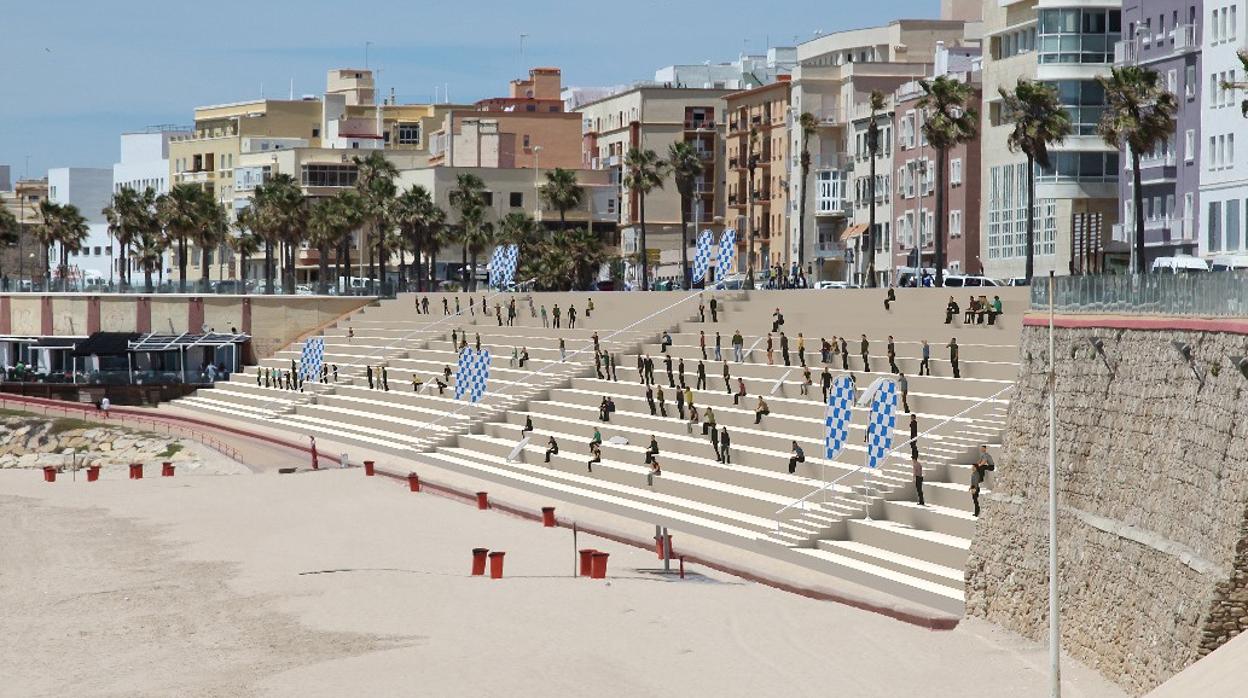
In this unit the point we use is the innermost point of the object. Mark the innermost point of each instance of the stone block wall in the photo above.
(1153, 501)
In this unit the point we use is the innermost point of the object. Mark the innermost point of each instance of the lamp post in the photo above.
(1055, 636)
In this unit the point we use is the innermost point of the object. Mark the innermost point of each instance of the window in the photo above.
(955, 224)
(1080, 167)
(1215, 226)
(955, 171)
(316, 133)
(1189, 82)
(487, 198)
(1230, 150)
(409, 134)
(1079, 35)
(1189, 145)
(329, 175)
(526, 141)
(1007, 215)
(98, 253)
(1084, 101)
(517, 199)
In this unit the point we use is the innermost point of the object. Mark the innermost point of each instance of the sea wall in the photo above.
(1153, 499)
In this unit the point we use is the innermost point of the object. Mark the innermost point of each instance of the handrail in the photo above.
(829, 484)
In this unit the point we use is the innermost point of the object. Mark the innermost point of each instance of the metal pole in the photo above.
(1055, 637)
(667, 552)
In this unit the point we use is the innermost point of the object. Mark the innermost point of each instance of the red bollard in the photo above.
(368, 468)
(548, 517)
(682, 566)
(658, 546)
(49, 473)
(496, 564)
(413, 482)
(166, 469)
(93, 473)
(598, 568)
(136, 471)
(587, 556)
(478, 561)
(483, 500)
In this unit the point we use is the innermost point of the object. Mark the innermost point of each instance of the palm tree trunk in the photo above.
(268, 267)
(322, 273)
(645, 258)
(182, 263)
(1030, 269)
(685, 278)
(372, 269)
(433, 265)
(346, 264)
(402, 269)
(147, 277)
(463, 272)
(1138, 196)
(417, 271)
(749, 227)
(474, 271)
(942, 165)
(870, 235)
(801, 218)
(203, 279)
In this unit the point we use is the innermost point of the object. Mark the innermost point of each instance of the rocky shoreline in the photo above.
(31, 441)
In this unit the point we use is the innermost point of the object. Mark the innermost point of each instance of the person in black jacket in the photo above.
(701, 376)
(652, 451)
(650, 399)
(825, 380)
(784, 348)
(725, 442)
(667, 364)
(951, 310)
(552, 448)
(528, 426)
(797, 456)
(370, 376)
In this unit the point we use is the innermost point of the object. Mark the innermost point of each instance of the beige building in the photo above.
(1080, 194)
(25, 259)
(833, 80)
(758, 155)
(653, 118)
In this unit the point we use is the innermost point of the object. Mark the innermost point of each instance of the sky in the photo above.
(81, 72)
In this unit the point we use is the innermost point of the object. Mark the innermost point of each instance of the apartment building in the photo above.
(1223, 189)
(528, 128)
(757, 148)
(1164, 35)
(654, 117)
(833, 80)
(746, 72)
(1066, 43)
(913, 242)
(90, 189)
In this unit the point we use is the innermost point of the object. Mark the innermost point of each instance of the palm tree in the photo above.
(279, 216)
(10, 229)
(587, 250)
(468, 199)
(213, 229)
(1139, 113)
(71, 232)
(951, 121)
(1039, 121)
(46, 233)
(244, 244)
(562, 193)
(120, 216)
(751, 164)
(149, 252)
(807, 123)
(411, 213)
(873, 150)
(686, 167)
(330, 221)
(437, 235)
(377, 189)
(643, 172)
(181, 212)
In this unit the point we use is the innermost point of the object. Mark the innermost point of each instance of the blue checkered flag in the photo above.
(837, 416)
(507, 262)
(480, 375)
(727, 253)
(461, 372)
(494, 266)
(312, 357)
(883, 421)
(702, 256)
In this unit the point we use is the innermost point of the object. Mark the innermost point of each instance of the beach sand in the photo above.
(330, 583)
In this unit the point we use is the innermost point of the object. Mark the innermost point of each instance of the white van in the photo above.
(959, 281)
(1179, 264)
(1230, 262)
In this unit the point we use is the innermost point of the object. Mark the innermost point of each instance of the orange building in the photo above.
(758, 146)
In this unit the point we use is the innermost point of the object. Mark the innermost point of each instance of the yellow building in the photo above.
(758, 146)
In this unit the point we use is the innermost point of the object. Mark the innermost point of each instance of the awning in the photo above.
(105, 344)
(853, 231)
(176, 342)
(58, 342)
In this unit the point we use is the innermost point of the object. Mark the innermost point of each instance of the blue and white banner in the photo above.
(884, 397)
(837, 416)
(473, 374)
(312, 358)
(702, 256)
(503, 265)
(727, 253)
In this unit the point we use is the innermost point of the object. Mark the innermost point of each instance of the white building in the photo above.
(145, 160)
(90, 190)
(747, 72)
(1223, 171)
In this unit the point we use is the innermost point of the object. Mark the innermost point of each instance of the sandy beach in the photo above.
(329, 583)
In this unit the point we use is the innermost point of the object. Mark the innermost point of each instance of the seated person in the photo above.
(981, 309)
(761, 410)
(552, 448)
(994, 310)
(971, 308)
(951, 311)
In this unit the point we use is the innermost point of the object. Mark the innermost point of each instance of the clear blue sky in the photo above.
(80, 72)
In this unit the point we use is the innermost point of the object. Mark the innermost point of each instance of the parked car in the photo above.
(303, 290)
(960, 280)
(1230, 263)
(734, 282)
(1015, 281)
(1180, 264)
(835, 284)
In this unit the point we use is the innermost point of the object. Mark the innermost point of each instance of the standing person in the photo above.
(555, 312)
(572, 317)
(595, 456)
(777, 319)
(652, 450)
(737, 343)
(589, 308)
(953, 356)
(545, 320)
(259, 377)
(844, 354)
(598, 364)
(917, 469)
(498, 313)
(725, 443)
(105, 403)
(641, 369)
(385, 379)
(563, 351)
(825, 380)
(903, 385)
(784, 347)
(914, 436)
(801, 349)
(316, 456)
(446, 309)
(458, 311)
(511, 312)
(714, 434)
(925, 363)
(528, 426)
(737, 397)
(701, 311)
(702, 343)
(350, 334)
(701, 376)
(770, 351)
(889, 298)
(662, 401)
(797, 455)
(335, 373)
(892, 356)
(424, 303)
(649, 369)
(650, 398)
(825, 348)
(604, 411)
(727, 380)
(689, 397)
(979, 473)
(680, 404)
(552, 448)
(714, 309)
(482, 303)
(866, 355)
(719, 355)
(370, 376)
(594, 337)
(761, 410)
(680, 366)
(614, 375)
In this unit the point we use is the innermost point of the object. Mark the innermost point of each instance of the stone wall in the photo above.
(1153, 498)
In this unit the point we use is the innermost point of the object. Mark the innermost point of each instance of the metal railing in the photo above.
(1208, 294)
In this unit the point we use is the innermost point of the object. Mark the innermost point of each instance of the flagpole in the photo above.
(1055, 638)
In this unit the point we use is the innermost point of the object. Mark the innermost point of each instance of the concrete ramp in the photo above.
(1222, 674)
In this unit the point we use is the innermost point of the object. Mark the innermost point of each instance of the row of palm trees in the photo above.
(645, 171)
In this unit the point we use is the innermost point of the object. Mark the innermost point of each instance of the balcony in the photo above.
(704, 154)
(829, 249)
(1172, 230)
(1133, 51)
(700, 124)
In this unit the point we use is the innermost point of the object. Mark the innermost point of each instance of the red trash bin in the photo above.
(587, 556)
(496, 564)
(478, 561)
(483, 500)
(413, 482)
(93, 473)
(49, 473)
(658, 546)
(368, 468)
(136, 471)
(548, 517)
(599, 565)
(166, 469)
